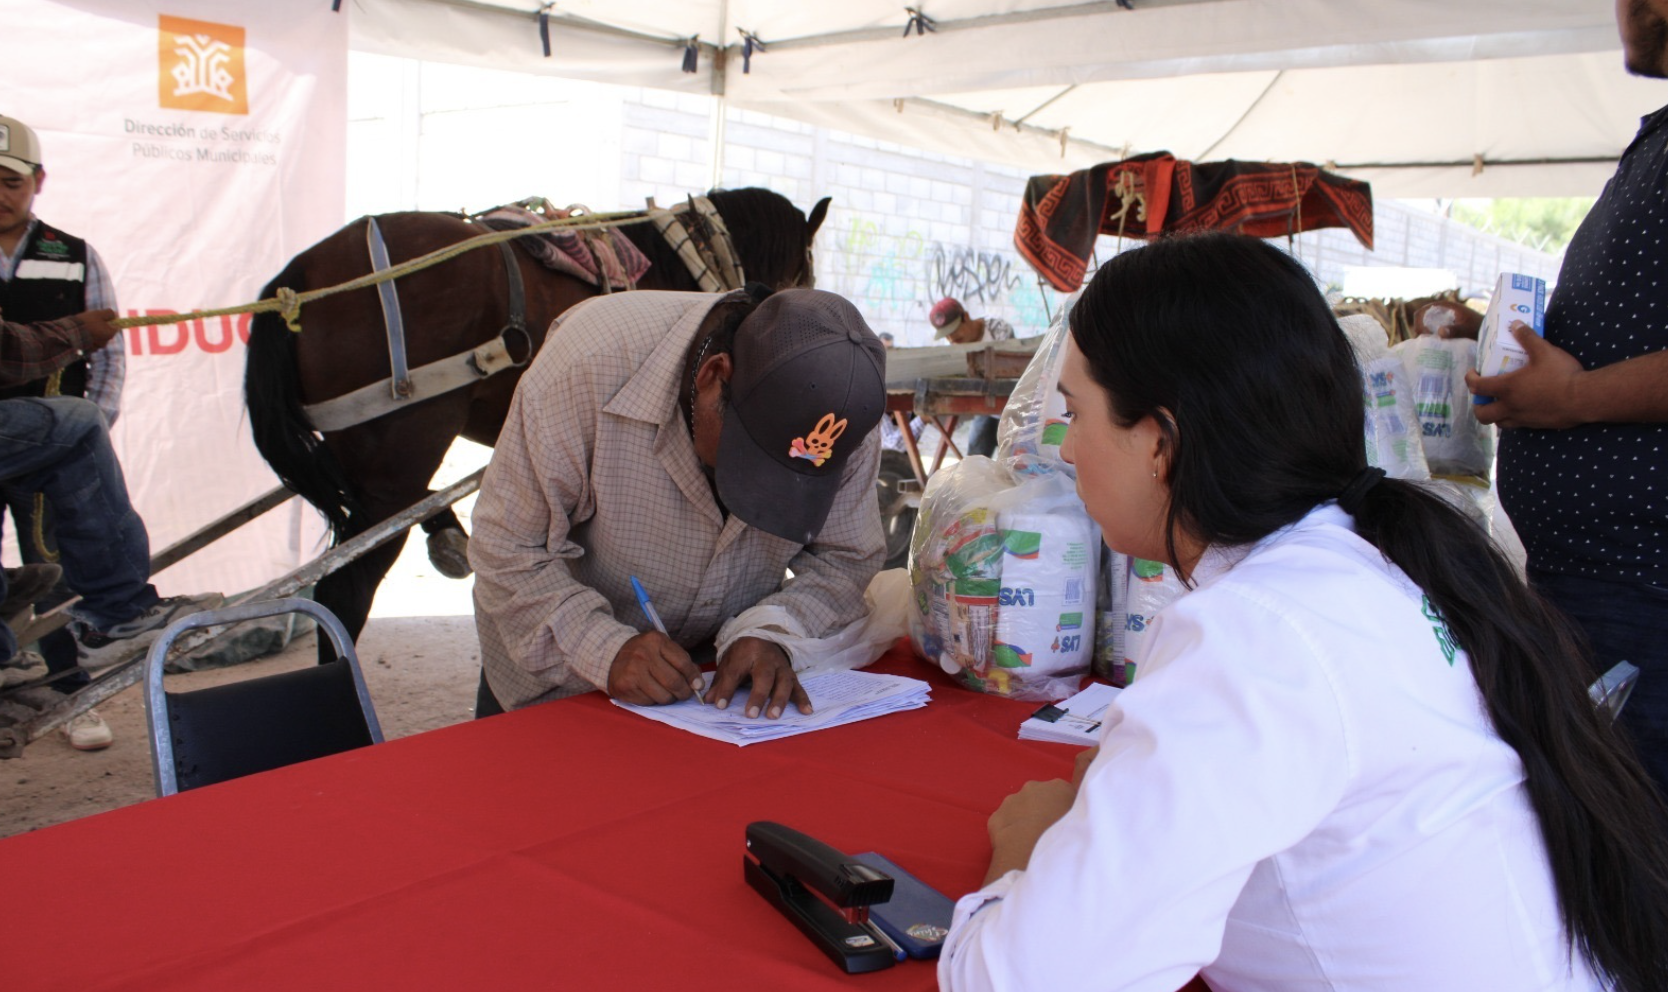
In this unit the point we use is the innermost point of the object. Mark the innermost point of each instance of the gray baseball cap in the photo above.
(809, 384)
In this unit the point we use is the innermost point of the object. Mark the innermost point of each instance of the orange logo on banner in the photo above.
(200, 66)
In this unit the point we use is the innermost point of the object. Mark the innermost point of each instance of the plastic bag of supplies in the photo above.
(1454, 440)
(1003, 578)
(1152, 586)
(1392, 428)
(1033, 424)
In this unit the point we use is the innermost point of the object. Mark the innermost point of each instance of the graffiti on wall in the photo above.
(989, 281)
(881, 270)
(895, 277)
(973, 277)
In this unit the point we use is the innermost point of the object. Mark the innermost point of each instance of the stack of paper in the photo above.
(1074, 721)
(837, 698)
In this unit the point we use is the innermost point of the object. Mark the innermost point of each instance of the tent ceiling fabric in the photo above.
(1406, 95)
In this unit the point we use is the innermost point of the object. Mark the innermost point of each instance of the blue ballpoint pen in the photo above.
(654, 618)
(648, 607)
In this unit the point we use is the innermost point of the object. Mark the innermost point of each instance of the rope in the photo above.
(1297, 208)
(288, 302)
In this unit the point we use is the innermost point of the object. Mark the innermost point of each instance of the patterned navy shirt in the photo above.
(1593, 500)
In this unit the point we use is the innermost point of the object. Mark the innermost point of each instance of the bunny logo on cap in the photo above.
(820, 443)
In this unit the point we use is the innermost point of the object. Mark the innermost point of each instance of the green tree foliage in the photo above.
(1542, 223)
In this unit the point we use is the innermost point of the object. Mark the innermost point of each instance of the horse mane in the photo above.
(768, 232)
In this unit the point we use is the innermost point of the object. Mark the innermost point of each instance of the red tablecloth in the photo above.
(571, 845)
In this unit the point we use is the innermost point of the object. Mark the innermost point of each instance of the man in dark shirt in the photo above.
(1584, 450)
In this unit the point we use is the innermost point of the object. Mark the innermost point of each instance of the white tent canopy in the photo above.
(1418, 97)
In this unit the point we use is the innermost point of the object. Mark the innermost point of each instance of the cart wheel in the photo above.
(897, 515)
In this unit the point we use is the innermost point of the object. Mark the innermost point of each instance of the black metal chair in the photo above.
(224, 732)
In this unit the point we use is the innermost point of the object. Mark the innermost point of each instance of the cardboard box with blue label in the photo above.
(1516, 298)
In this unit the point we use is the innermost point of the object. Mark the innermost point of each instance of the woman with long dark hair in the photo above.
(1360, 754)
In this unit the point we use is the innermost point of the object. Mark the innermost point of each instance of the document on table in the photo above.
(837, 698)
(1075, 720)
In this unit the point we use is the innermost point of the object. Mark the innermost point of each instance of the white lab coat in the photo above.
(1300, 791)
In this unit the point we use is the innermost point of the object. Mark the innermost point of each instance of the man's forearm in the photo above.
(33, 351)
(1632, 391)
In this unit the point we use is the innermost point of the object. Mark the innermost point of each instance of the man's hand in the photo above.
(767, 665)
(651, 670)
(1020, 821)
(97, 325)
(1541, 394)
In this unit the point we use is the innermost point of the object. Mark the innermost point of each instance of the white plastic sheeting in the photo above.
(1409, 95)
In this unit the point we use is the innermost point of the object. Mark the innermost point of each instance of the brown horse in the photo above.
(360, 475)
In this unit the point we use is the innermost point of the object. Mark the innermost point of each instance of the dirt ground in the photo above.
(421, 663)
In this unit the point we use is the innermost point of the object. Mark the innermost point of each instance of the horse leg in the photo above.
(448, 544)
(392, 460)
(349, 591)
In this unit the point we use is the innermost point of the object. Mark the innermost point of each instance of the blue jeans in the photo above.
(60, 446)
(1624, 621)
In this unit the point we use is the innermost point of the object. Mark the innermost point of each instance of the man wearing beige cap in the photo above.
(46, 274)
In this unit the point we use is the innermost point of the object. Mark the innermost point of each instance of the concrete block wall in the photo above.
(907, 226)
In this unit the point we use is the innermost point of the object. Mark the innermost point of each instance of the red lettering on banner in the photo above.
(153, 334)
(212, 336)
(226, 335)
(136, 340)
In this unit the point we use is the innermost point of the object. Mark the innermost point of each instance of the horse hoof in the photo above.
(449, 553)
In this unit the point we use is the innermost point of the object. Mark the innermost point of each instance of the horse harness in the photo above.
(713, 262)
(452, 372)
(714, 265)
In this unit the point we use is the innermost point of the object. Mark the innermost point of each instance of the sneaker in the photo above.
(97, 649)
(26, 586)
(25, 666)
(88, 732)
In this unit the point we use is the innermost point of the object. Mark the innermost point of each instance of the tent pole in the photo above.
(715, 137)
(720, 102)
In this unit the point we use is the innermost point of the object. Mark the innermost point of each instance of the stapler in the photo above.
(825, 893)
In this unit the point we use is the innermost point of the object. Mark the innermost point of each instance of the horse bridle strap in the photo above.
(400, 382)
(518, 292)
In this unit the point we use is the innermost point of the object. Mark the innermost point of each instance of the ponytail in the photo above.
(1603, 821)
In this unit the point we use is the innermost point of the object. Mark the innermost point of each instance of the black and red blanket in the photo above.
(1146, 196)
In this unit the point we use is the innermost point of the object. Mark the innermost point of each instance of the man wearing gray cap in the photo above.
(706, 446)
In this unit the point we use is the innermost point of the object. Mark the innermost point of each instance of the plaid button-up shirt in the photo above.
(33, 351)
(595, 479)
